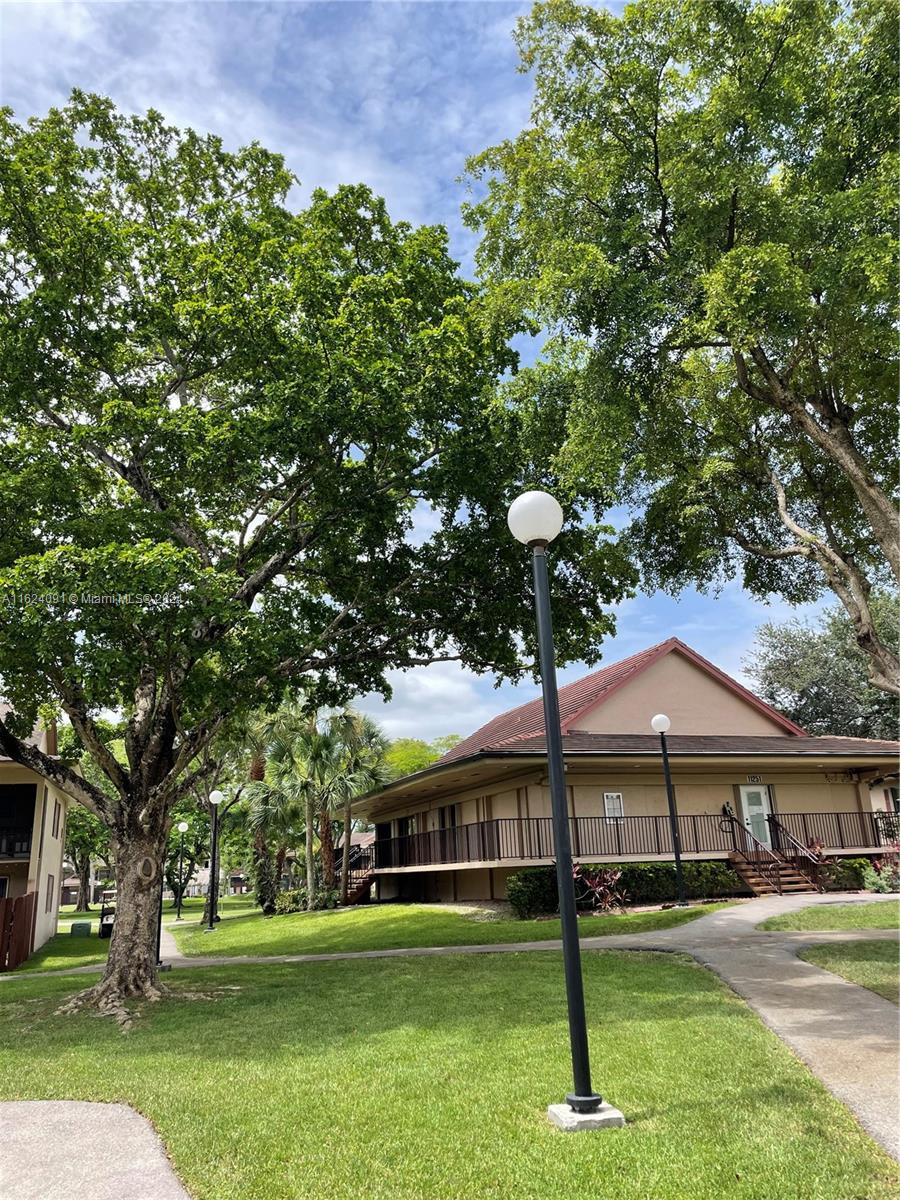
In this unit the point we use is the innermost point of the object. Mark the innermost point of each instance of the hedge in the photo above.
(532, 892)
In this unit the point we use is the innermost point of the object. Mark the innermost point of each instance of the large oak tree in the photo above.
(218, 418)
(703, 212)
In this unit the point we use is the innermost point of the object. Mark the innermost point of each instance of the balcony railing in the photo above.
(845, 830)
(15, 843)
(510, 838)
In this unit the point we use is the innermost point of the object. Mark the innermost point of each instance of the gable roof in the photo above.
(575, 699)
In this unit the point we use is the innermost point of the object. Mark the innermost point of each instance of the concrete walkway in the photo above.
(65, 1149)
(848, 1036)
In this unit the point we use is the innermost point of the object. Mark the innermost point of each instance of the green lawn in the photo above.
(884, 914)
(401, 926)
(427, 1079)
(874, 965)
(191, 908)
(63, 950)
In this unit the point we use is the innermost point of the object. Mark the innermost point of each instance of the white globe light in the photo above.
(535, 517)
(182, 826)
(216, 797)
(660, 723)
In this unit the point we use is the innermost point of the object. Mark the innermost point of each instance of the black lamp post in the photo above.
(215, 799)
(182, 829)
(535, 518)
(660, 725)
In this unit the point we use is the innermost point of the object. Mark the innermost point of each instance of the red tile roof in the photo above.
(584, 694)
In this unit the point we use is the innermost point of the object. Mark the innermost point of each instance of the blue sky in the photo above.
(392, 94)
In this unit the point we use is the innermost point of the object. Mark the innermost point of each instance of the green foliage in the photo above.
(846, 874)
(291, 900)
(219, 415)
(405, 756)
(87, 838)
(884, 873)
(533, 892)
(702, 212)
(816, 674)
(263, 880)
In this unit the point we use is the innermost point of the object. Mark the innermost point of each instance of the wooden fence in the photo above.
(16, 930)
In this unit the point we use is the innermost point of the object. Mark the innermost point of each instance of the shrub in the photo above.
(655, 883)
(845, 874)
(598, 888)
(291, 901)
(532, 892)
(884, 873)
(327, 898)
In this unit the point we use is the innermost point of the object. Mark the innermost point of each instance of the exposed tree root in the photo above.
(108, 997)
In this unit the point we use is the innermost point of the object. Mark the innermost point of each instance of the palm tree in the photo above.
(364, 769)
(277, 795)
(317, 763)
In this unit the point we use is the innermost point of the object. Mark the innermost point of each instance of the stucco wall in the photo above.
(45, 866)
(695, 702)
(16, 874)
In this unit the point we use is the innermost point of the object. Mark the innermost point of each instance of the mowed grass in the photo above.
(401, 926)
(874, 965)
(881, 914)
(63, 951)
(428, 1079)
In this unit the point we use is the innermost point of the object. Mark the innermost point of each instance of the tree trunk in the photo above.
(326, 841)
(345, 857)
(84, 883)
(310, 857)
(131, 968)
(280, 856)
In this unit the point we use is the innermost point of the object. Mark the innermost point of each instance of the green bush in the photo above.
(846, 874)
(327, 898)
(291, 901)
(532, 892)
(883, 881)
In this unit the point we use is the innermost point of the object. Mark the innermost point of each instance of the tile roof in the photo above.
(586, 693)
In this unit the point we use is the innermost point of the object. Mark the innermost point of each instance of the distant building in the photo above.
(32, 837)
(751, 787)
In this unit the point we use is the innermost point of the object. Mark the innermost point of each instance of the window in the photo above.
(57, 812)
(4, 885)
(48, 903)
(613, 806)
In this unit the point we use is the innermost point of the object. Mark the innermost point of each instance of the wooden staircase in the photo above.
(771, 878)
(360, 889)
(784, 867)
(361, 875)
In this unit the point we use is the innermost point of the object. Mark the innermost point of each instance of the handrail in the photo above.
(801, 852)
(764, 860)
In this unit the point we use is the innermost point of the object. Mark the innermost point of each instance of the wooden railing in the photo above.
(509, 838)
(16, 929)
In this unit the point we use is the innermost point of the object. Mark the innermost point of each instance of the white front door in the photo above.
(755, 806)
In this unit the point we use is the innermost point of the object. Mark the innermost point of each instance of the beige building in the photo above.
(750, 786)
(32, 837)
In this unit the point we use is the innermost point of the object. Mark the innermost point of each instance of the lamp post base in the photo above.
(570, 1121)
